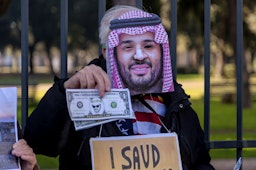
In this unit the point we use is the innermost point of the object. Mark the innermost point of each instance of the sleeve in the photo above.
(48, 125)
(99, 62)
(192, 137)
(184, 121)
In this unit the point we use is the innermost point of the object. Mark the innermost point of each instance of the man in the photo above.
(137, 58)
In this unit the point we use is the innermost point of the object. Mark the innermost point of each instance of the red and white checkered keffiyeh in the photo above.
(161, 37)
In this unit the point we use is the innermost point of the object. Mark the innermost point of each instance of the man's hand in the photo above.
(90, 77)
(28, 158)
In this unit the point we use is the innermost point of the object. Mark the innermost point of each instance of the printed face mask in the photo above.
(139, 41)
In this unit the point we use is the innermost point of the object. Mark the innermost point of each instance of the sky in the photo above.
(8, 102)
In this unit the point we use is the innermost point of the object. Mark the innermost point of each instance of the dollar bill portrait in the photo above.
(96, 106)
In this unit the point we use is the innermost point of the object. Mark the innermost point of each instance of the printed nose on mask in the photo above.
(139, 54)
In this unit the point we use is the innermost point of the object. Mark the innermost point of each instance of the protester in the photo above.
(137, 57)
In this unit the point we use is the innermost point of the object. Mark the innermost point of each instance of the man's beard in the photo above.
(141, 83)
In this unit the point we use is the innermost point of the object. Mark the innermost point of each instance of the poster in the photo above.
(8, 128)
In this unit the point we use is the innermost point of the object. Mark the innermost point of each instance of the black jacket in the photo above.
(50, 131)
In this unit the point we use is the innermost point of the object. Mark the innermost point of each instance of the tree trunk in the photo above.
(31, 58)
(247, 96)
(4, 6)
(219, 63)
(48, 46)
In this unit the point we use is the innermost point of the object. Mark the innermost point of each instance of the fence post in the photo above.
(24, 62)
(207, 31)
(173, 37)
(64, 36)
(239, 71)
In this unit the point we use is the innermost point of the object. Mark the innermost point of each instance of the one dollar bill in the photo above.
(86, 105)
(85, 124)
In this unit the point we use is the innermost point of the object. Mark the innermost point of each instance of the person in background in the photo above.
(27, 157)
(136, 51)
(21, 149)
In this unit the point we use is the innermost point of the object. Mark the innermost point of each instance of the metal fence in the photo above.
(238, 144)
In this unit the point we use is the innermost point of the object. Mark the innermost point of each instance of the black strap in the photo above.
(135, 22)
(142, 100)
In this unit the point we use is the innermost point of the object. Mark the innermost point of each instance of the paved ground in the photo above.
(222, 164)
(226, 164)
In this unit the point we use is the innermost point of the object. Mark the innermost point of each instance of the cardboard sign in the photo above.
(142, 152)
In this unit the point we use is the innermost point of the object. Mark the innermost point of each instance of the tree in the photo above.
(45, 25)
(4, 6)
(227, 31)
(10, 23)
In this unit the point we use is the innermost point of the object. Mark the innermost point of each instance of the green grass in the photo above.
(34, 78)
(190, 77)
(223, 126)
(47, 162)
(222, 117)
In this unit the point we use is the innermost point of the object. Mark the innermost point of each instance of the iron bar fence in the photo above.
(238, 144)
(24, 58)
